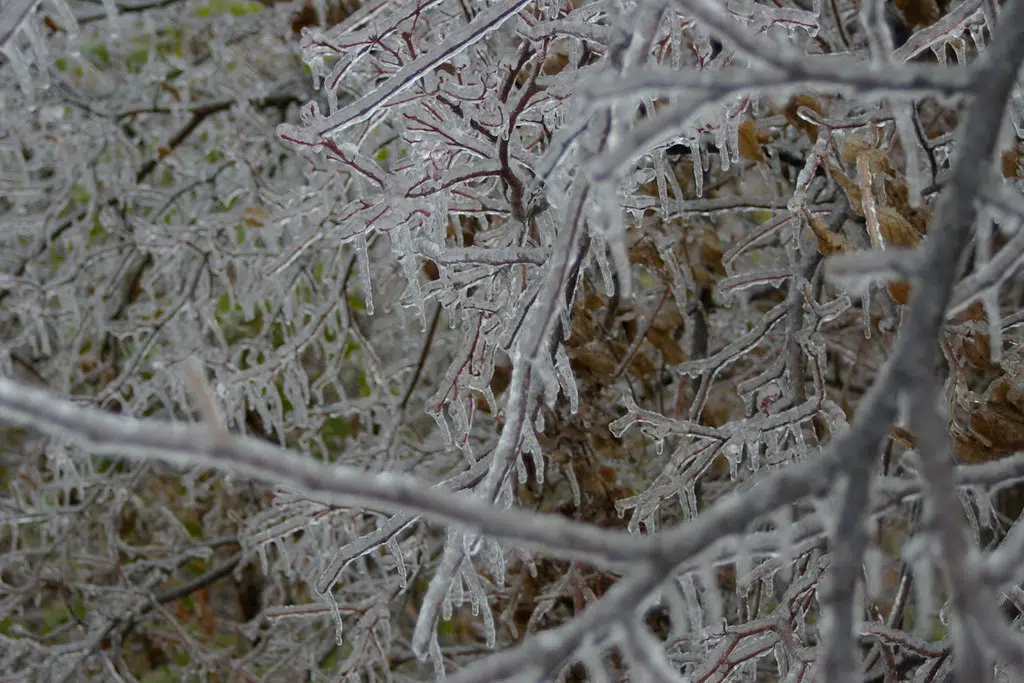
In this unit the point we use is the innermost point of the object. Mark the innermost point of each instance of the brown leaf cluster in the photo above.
(791, 112)
(1011, 161)
(994, 425)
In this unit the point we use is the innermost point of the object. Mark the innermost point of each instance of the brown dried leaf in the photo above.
(997, 421)
(1000, 426)
(969, 449)
(749, 142)
(795, 120)
(702, 277)
(602, 441)
(1010, 393)
(977, 352)
(644, 253)
(711, 252)
(670, 349)
(898, 194)
(896, 229)
(854, 146)
(919, 13)
(555, 64)
(899, 290)
(595, 359)
(849, 186)
(641, 366)
(857, 147)
(255, 216)
(829, 242)
(1012, 163)
(668, 319)
(902, 437)
(975, 311)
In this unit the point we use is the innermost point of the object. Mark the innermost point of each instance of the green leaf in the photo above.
(335, 430)
(79, 194)
(96, 52)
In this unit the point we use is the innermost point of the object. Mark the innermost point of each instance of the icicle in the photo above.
(672, 598)
(781, 659)
(478, 601)
(712, 595)
(42, 57)
(599, 248)
(471, 544)
(496, 561)
(698, 167)
(754, 459)
(734, 454)
(442, 425)
(694, 610)
(590, 657)
(320, 7)
(363, 264)
(446, 609)
(460, 421)
(261, 553)
(978, 36)
(912, 151)
(990, 303)
(675, 34)
(332, 604)
(112, 21)
(565, 318)
(564, 371)
(396, 552)
(960, 50)
(424, 634)
(874, 573)
(532, 446)
(972, 518)
(985, 506)
(616, 241)
(768, 582)
(688, 500)
(436, 658)
(456, 594)
(917, 555)
(574, 486)
(722, 141)
(732, 125)
(67, 15)
(20, 66)
(865, 310)
(521, 470)
(983, 238)
(784, 526)
(744, 567)
(701, 41)
(633, 526)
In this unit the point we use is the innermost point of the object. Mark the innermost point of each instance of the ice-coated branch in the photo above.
(366, 107)
(198, 446)
(840, 74)
(975, 614)
(12, 15)
(913, 369)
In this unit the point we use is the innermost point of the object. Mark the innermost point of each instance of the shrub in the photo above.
(668, 341)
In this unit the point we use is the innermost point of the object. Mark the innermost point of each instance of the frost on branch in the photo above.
(549, 258)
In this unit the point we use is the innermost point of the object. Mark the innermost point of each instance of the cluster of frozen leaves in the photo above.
(494, 340)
